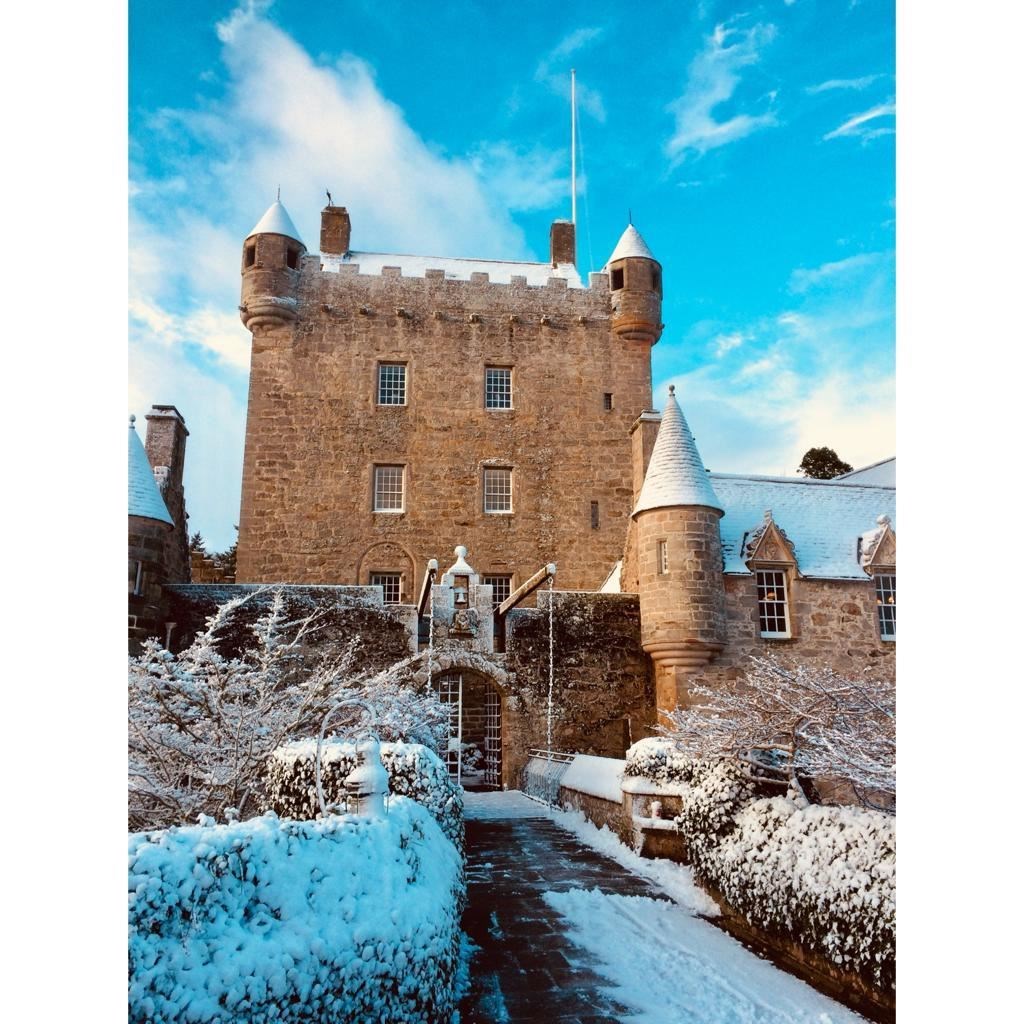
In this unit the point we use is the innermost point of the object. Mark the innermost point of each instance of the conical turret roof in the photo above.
(676, 474)
(144, 498)
(631, 244)
(276, 222)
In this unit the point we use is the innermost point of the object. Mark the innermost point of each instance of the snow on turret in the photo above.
(276, 222)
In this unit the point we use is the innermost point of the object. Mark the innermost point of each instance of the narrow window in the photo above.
(497, 490)
(391, 583)
(595, 515)
(662, 557)
(250, 255)
(656, 279)
(135, 578)
(617, 279)
(885, 598)
(502, 584)
(497, 387)
(772, 610)
(292, 259)
(391, 384)
(388, 488)
(607, 401)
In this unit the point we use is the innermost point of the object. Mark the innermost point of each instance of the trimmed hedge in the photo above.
(413, 770)
(344, 919)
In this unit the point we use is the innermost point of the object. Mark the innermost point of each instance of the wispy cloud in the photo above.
(859, 126)
(803, 279)
(553, 71)
(843, 83)
(725, 343)
(712, 79)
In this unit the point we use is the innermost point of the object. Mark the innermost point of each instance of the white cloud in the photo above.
(532, 179)
(725, 343)
(803, 279)
(842, 83)
(587, 98)
(713, 78)
(857, 126)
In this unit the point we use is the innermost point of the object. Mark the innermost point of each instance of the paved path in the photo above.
(526, 969)
(567, 935)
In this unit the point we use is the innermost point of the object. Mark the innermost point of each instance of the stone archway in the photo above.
(474, 755)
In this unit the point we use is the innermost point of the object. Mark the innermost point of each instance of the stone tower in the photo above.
(270, 271)
(400, 405)
(679, 549)
(635, 282)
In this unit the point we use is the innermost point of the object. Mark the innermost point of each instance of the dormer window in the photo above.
(772, 560)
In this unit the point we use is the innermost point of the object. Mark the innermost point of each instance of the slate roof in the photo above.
(276, 222)
(822, 518)
(630, 244)
(144, 498)
(675, 474)
(882, 472)
(455, 268)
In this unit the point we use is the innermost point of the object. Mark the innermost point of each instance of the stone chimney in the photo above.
(644, 432)
(335, 230)
(165, 449)
(563, 242)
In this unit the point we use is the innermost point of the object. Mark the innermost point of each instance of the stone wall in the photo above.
(314, 430)
(146, 609)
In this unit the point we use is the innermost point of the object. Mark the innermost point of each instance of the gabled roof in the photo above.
(822, 519)
(630, 244)
(144, 498)
(675, 474)
(455, 268)
(276, 222)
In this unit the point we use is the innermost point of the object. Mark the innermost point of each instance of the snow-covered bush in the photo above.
(413, 770)
(202, 722)
(345, 919)
(824, 876)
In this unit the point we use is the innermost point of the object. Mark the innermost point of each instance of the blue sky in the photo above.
(754, 144)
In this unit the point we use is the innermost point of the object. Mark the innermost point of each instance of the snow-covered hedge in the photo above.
(345, 919)
(413, 770)
(825, 876)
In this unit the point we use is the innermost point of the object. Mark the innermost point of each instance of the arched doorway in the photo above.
(473, 755)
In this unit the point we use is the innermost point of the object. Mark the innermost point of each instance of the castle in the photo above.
(401, 407)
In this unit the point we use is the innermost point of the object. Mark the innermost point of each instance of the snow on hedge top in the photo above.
(631, 244)
(143, 494)
(276, 222)
(675, 475)
(454, 268)
(822, 519)
(595, 776)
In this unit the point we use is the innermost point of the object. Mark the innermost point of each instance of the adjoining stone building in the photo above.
(402, 407)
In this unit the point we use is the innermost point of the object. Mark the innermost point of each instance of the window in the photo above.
(502, 584)
(389, 488)
(497, 387)
(595, 515)
(772, 610)
(607, 401)
(391, 384)
(135, 578)
(497, 490)
(391, 582)
(662, 557)
(250, 254)
(292, 259)
(885, 597)
(656, 279)
(617, 279)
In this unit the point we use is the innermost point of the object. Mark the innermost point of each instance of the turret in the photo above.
(682, 595)
(270, 270)
(635, 283)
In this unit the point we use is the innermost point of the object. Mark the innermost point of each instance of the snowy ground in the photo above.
(661, 960)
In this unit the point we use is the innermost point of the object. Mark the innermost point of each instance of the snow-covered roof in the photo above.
(613, 581)
(144, 498)
(455, 268)
(276, 222)
(675, 474)
(630, 244)
(822, 519)
(882, 473)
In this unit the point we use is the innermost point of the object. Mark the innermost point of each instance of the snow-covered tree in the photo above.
(822, 464)
(792, 722)
(203, 722)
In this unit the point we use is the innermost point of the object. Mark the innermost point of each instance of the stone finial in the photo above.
(432, 564)
(883, 520)
(461, 551)
(460, 568)
(131, 421)
(671, 389)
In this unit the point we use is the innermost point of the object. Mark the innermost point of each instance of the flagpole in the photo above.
(573, 116)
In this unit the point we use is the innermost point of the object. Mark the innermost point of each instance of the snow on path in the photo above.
(508, 804)
(667, 965)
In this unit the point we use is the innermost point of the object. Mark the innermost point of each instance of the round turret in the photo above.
(635, 282)
(682, 596)
(271, 257)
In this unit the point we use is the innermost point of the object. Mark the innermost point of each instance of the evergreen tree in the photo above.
(823, 464)
(196, 543)
(226, 559)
